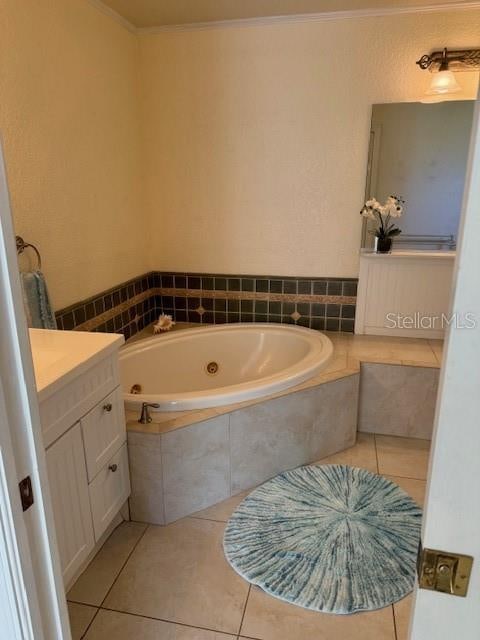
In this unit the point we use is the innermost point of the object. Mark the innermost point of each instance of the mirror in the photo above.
(420, 152)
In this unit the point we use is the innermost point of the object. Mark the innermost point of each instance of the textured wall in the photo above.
(255, 138)
(69, 117)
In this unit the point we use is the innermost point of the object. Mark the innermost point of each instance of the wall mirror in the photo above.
(420, 152)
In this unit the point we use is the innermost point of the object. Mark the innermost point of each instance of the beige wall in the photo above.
(69, 117)
(255, 138)
(244, 154)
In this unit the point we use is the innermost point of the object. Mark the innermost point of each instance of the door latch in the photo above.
(26, 492)
(444, 571)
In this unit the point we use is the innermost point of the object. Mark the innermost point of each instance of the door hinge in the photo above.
(26, 492)
(444, 571)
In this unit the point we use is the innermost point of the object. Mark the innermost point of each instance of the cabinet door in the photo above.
(103, 432)
(71, 507)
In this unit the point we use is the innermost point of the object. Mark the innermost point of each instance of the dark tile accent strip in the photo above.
(318, 303)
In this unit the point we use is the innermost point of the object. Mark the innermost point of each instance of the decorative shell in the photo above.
(165, 323)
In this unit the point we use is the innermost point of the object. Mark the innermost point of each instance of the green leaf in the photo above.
(394, 232)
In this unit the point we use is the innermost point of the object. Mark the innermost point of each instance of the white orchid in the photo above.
(393, 208)
(165, 323)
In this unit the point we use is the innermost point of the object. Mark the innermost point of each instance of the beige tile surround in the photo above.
(176, 584)
(188, 461)
(350, 352)
(179, 471)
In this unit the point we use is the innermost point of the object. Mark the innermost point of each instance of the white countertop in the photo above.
(404, 253)
(59, 356)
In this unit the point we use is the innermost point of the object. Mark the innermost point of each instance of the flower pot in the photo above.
(384, 245)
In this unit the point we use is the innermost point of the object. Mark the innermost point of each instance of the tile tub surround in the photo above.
(268, 435)
(202, 464)
(397, 400)
(316, 303)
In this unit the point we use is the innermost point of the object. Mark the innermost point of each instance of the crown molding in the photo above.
(103, 8)
(326, 16)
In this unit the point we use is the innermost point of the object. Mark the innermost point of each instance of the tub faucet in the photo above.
(145, 416)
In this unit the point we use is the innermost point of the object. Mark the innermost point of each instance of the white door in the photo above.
(32, 600)
(452, 516)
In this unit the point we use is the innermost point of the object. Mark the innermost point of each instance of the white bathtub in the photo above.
(219, 365)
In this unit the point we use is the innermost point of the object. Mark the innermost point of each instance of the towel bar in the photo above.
(22, 245)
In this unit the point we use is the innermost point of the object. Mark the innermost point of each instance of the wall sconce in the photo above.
(443, 64)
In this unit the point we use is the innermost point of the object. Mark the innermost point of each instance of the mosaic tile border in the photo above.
(318, 303)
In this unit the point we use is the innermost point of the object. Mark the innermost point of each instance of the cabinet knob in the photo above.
(107, 407)
(113, 468)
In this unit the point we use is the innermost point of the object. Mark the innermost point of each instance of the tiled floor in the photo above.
(173, 583)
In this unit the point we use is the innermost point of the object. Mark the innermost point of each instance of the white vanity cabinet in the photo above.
(67, 474)
(83, 425)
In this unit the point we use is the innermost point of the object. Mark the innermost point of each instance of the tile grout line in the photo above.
(394, 623)
(89, 624)
(165, 620)
(193, 517)
(376, 452)
(437, 359)
(114, 581)
(244, 610)
(124, 564)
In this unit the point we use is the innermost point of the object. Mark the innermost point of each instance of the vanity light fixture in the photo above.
(443, 64)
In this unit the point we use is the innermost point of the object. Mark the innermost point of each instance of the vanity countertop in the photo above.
(406, 254)
(59, 356)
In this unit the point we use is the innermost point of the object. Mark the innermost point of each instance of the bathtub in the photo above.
(219, 365)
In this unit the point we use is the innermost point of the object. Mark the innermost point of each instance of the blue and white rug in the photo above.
(330, 538)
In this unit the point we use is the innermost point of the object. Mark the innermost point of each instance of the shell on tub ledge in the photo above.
(220, 365)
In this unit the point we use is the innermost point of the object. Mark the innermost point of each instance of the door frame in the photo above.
(451, 520)
(33, 603)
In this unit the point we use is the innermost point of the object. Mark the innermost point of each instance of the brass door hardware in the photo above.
(444, 571)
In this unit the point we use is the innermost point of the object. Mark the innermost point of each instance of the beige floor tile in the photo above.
(390, 348)
(402, 610)
(93, 585)
(121, 626)
(403, 457)
(271, 619)
(362, 454)
(179, 573)
(414, 488)
(223, 510)
(80, 616)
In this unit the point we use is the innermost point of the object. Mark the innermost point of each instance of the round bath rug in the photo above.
(330, 538)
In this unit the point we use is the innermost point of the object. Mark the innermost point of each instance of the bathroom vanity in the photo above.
(83, 427)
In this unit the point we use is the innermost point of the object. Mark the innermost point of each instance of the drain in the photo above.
(212, 368)
(136, 389)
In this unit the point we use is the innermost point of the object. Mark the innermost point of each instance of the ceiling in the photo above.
(157, 13)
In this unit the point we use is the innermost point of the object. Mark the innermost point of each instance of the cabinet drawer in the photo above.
(68, 404)
(103, 432)
(109, 490)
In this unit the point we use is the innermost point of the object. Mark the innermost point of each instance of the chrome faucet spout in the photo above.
(145, 417)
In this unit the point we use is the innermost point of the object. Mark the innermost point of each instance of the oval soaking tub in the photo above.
(219, 365)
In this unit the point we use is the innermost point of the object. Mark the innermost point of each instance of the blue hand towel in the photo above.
(37, 303)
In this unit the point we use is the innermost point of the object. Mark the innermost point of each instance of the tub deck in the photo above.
(350, 352)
